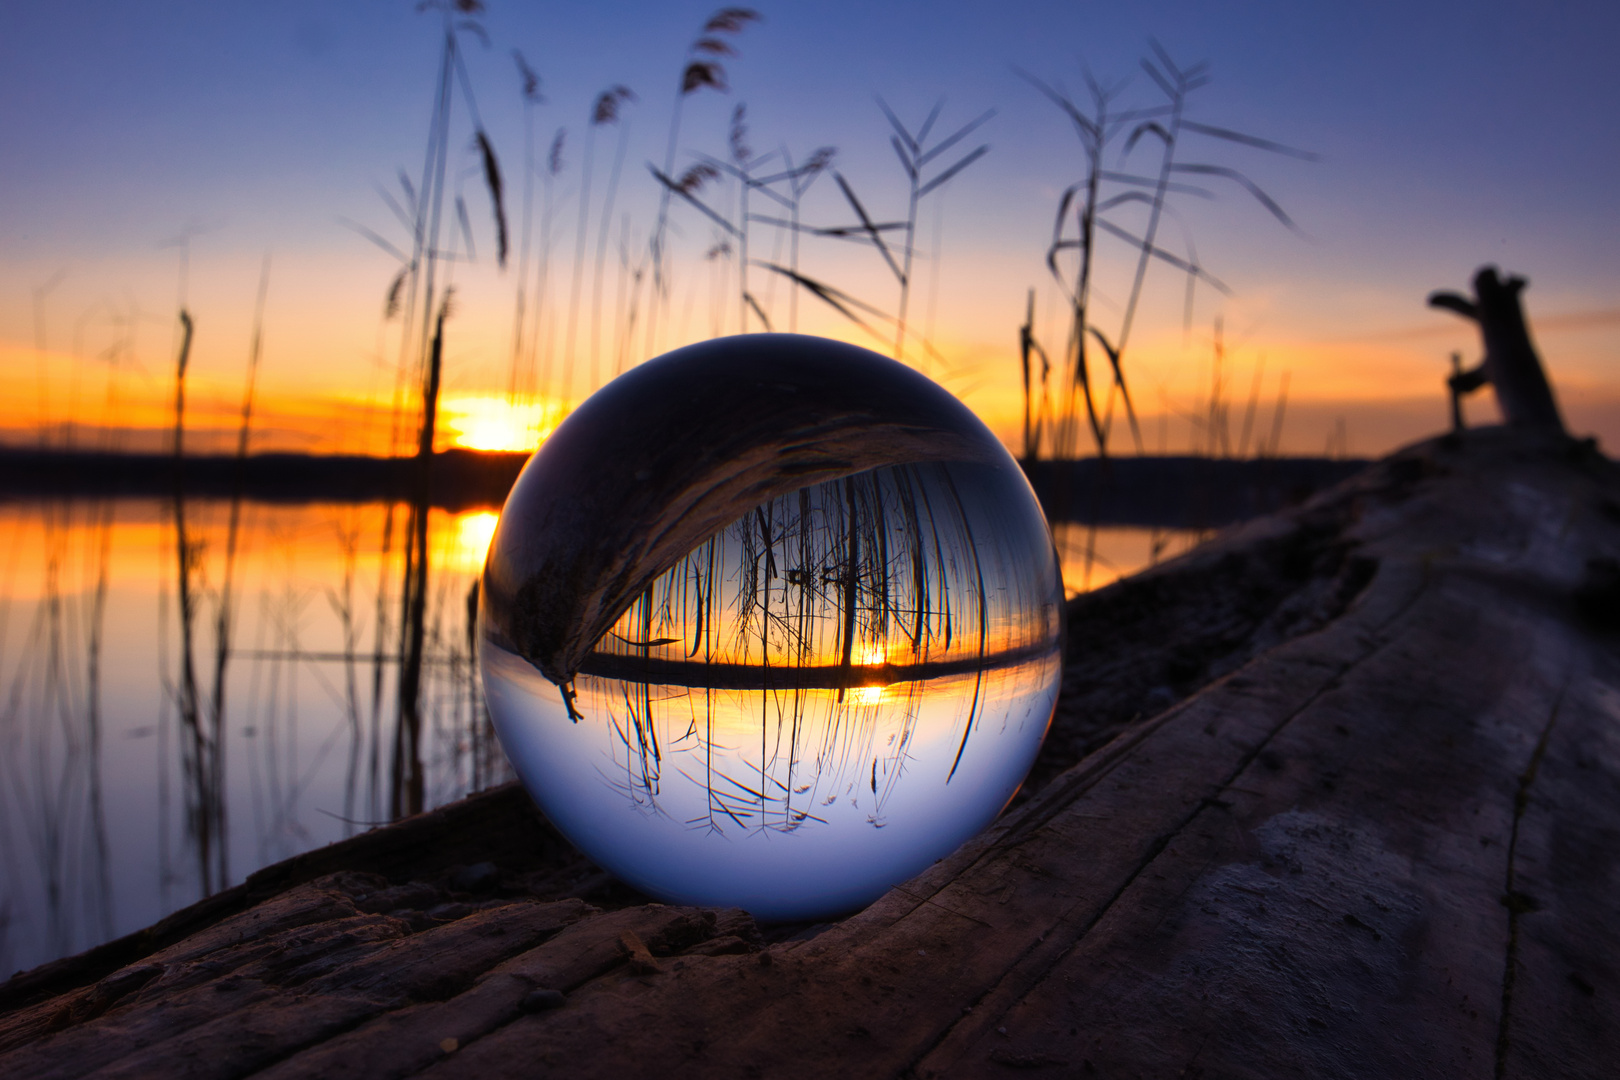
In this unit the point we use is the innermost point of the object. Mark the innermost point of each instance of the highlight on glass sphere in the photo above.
(771, 622)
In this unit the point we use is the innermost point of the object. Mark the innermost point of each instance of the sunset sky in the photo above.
(1450, 135)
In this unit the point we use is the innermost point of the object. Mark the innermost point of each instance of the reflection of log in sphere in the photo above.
(771, 622)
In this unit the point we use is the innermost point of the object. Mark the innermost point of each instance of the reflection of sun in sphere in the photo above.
(871, 693)
(782, 668)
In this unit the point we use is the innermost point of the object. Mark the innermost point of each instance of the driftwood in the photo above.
(1354, 812)
(1510, 365)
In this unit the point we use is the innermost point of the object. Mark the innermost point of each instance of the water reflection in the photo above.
(99, 799)
(1095, 556)
(51, 735)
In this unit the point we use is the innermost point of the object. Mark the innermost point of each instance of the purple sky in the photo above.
(1450, 135)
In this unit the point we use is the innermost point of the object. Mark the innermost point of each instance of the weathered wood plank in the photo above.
(269, 1021)
(181, 994)
(406, 1041)
(1563, 902)
(251, 1001)
(1311, 898)
(500, 824)
(296, 908)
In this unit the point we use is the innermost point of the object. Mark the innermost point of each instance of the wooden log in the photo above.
(403, 1042)
(500, 825)
(1366, 827)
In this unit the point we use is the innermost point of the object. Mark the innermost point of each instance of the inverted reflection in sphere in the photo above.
(771, 622)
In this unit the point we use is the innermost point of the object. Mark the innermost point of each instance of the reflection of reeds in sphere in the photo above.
(813, 698)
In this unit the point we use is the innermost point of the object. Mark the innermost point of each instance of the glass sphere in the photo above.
(771, 622)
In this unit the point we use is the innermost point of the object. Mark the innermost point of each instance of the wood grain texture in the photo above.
(1373, 834)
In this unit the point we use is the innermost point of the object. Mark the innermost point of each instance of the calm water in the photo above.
(116, 808)
(1096, 556)
(119, 803)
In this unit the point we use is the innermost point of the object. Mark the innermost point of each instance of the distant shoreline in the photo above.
(1164, 492)
(460, 479)
(1180, 492)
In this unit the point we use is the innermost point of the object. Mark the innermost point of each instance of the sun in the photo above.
(871, 656)
(485, 422)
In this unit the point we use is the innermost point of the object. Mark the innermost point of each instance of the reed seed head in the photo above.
(701, 73)
(731, 20)
(740, 152)
(391, 304)
(554, 159)
(531, 81)
(606, 109)
(492, 178)
(818, 161)
(693, 179)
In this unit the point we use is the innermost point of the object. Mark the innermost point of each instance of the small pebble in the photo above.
(541, 1000)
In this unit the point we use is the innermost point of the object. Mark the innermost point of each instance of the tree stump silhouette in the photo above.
(1510, 365)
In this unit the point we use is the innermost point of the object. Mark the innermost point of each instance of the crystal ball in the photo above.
(771, 622)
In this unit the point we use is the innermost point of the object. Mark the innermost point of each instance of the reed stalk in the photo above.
(1251, 406)
(408, 787)
(915, 156)
(626, 298)
(541, 346)
(607, 111)
(582, 219)
(530, 90)
(703, 68)
(201, 760)
(1092, 208)
(1278, 412)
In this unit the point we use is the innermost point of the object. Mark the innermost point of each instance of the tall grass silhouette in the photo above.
(704, 67)
(916, 154)
(1093, 208)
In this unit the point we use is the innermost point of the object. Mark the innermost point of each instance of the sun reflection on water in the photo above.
(474, 530)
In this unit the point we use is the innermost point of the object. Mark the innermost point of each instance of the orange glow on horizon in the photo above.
(1388, 385)
(486, 422)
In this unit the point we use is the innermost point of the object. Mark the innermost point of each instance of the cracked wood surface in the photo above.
(1378, 835)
